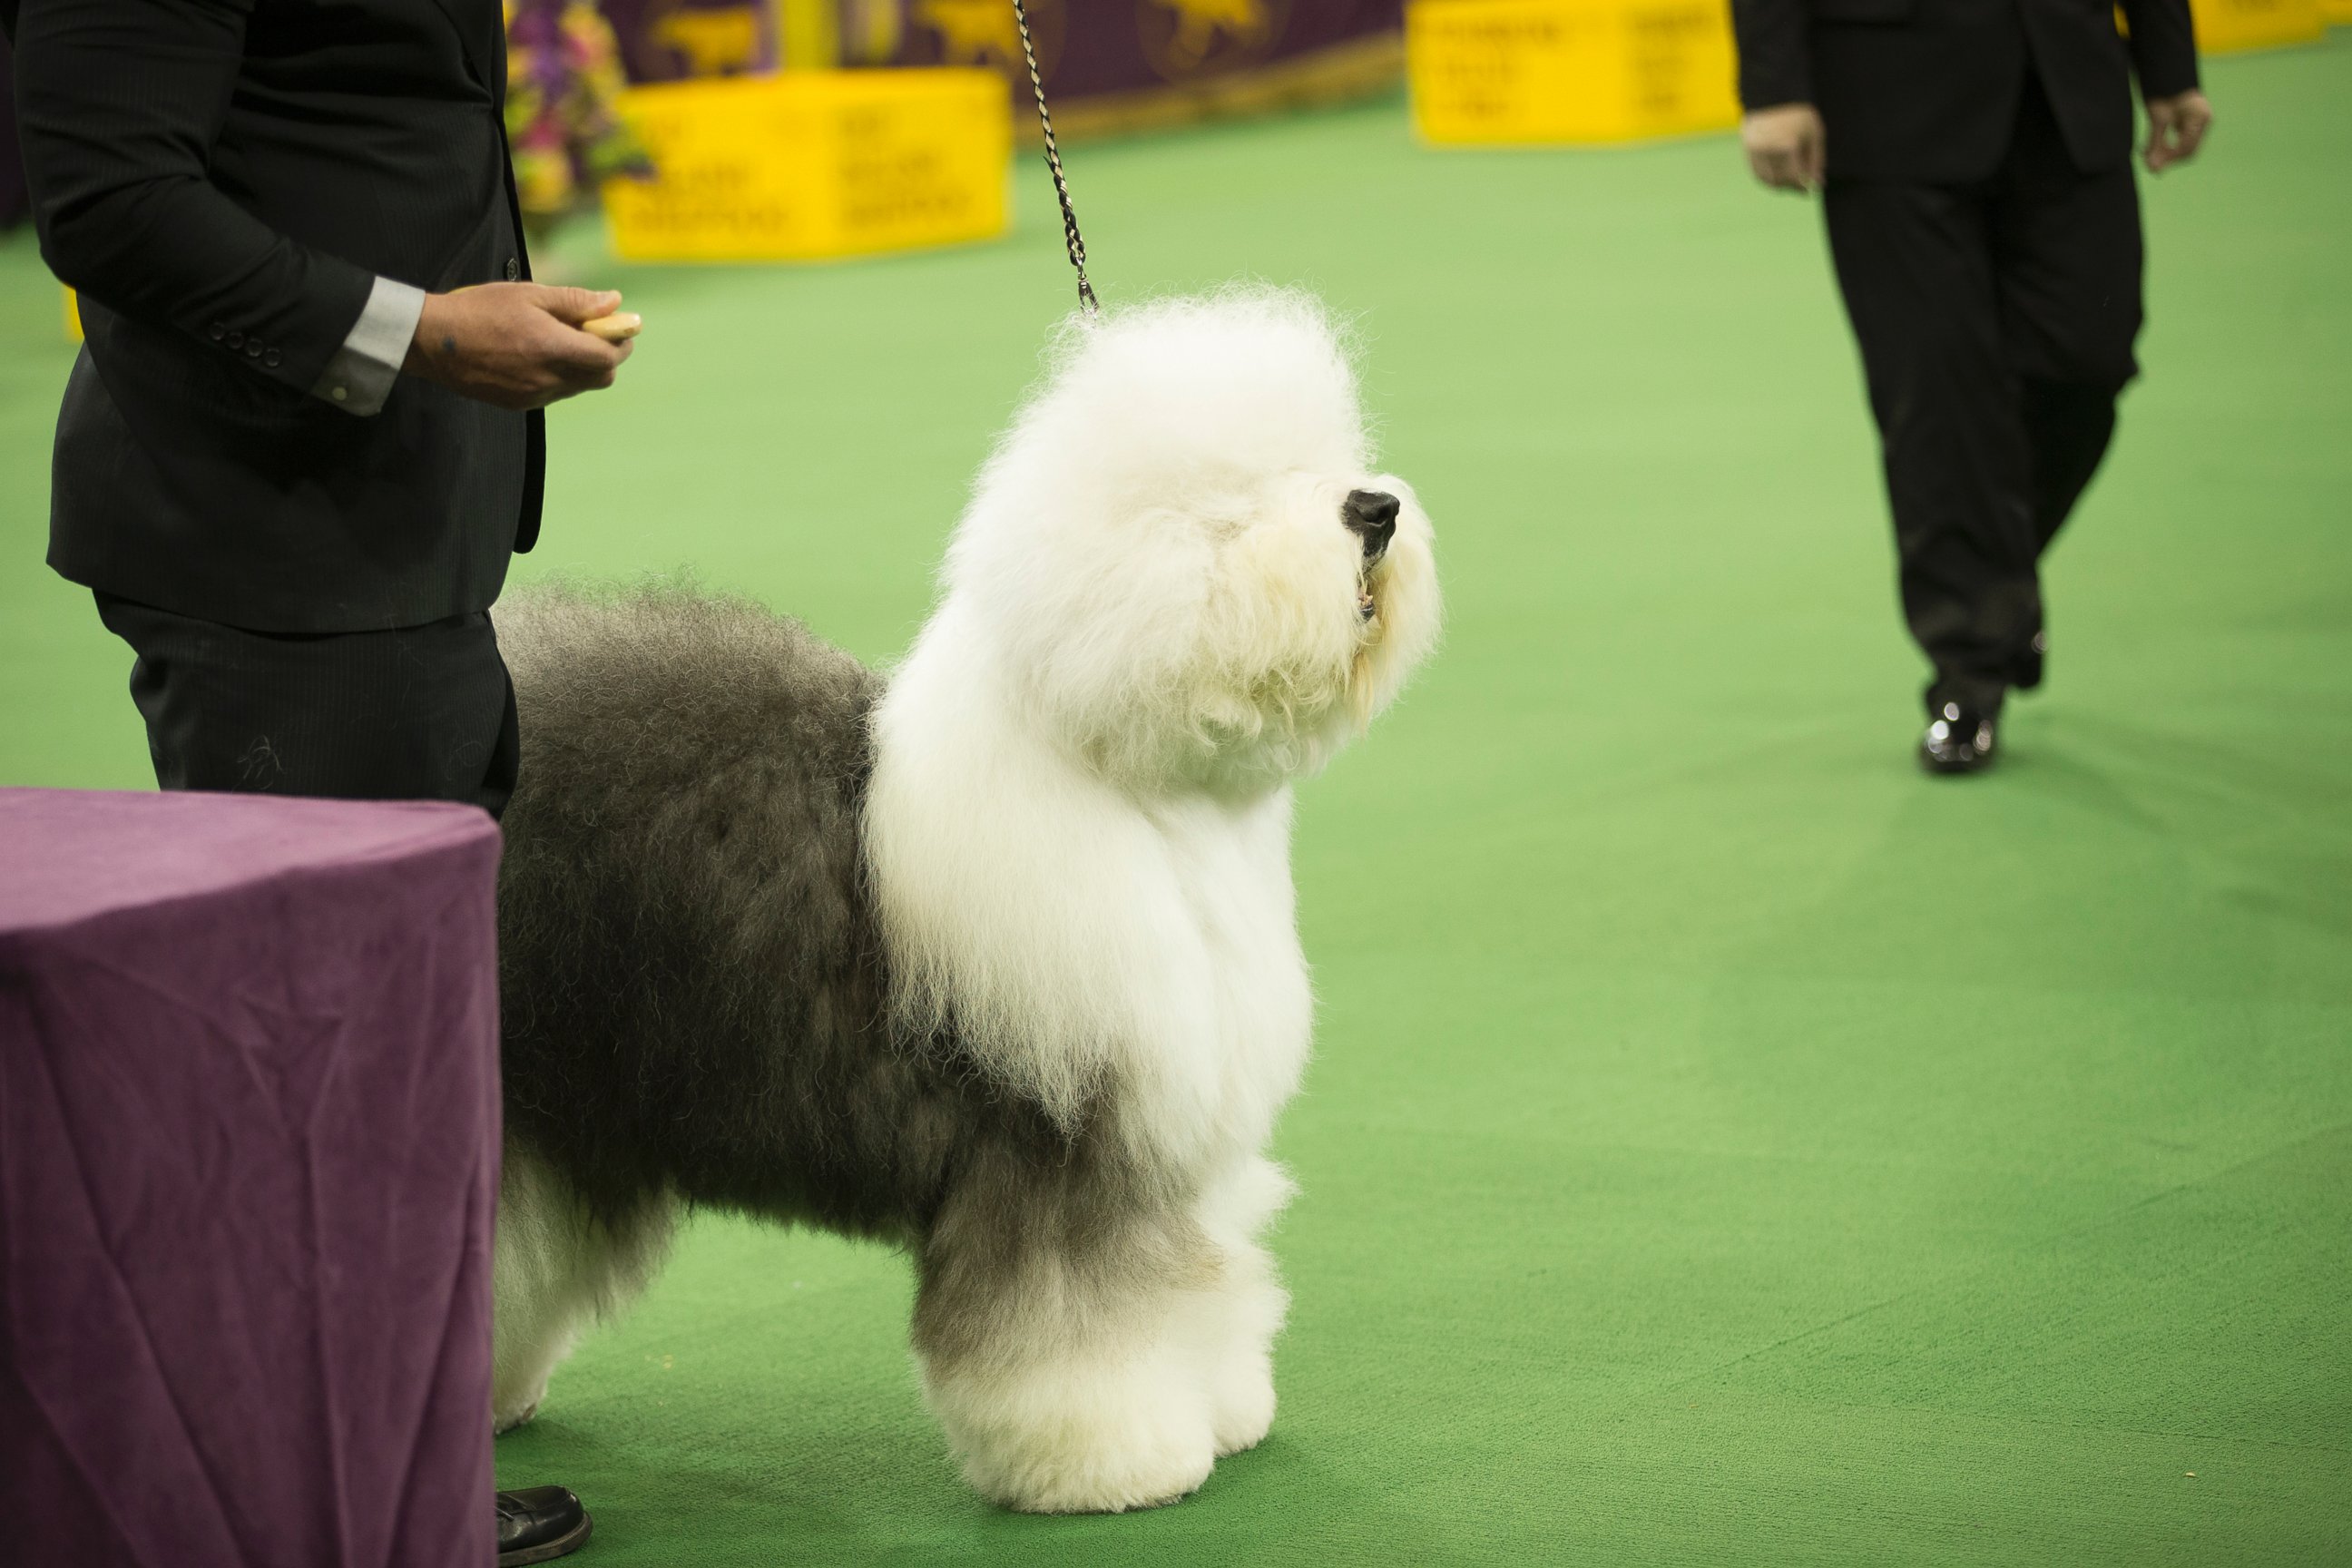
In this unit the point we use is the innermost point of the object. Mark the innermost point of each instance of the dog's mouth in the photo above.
(1371, 517)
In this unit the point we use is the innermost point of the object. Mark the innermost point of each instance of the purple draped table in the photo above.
(248, 1159)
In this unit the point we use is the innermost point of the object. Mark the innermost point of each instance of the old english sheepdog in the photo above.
(993, 958)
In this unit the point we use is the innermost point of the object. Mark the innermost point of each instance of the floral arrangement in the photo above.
(564, 127)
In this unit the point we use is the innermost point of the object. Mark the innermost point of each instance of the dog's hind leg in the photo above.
(1051, 1341)
(558, 1268)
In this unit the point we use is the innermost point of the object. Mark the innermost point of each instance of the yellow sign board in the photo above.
(814, 164)
(1568, 71)
(2223, 26)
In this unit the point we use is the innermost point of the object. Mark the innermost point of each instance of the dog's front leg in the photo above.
(1057, 1335)
(1234, 1321)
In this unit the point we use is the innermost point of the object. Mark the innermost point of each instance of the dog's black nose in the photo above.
(1372, 514)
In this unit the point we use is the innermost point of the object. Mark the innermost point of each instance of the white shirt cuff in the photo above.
(360, 377)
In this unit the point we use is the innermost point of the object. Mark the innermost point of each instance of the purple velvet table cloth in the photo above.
(248, 1160)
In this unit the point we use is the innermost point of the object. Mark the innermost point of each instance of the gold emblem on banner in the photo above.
(983, 33)
(709, 41)
(1186, 38)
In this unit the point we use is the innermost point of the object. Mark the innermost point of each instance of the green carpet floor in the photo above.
(1724, 1145)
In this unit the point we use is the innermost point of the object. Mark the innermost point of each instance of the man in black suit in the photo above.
(293, 459)
(1974, 158)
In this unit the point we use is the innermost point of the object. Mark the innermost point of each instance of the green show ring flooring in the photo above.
(1725, 1144)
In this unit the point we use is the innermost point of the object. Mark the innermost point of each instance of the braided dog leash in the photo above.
(1070, 236)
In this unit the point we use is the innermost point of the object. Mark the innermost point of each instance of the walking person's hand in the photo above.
(2176, 128)
(516, 345)
(1787, 146)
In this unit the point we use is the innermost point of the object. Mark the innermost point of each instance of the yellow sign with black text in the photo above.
(814, 164)
(1568, 71)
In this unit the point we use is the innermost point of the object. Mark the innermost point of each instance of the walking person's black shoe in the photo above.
(540, 1524)
(2027, 673)
(1959, 741)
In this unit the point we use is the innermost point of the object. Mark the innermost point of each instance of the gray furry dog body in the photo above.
(994, 962)
(695, 986)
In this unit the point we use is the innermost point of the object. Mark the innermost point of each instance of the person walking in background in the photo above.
(302, 439)
(1974, 160)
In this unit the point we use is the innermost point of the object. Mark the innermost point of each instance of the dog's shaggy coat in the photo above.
(996, 964)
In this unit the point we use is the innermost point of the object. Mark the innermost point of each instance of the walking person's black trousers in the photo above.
(1996, 322)
(420, 713)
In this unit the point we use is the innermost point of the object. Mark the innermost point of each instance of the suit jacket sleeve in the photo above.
(2163, 46)
(1774, 64)
(119, 104)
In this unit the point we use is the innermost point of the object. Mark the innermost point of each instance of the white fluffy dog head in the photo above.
(1164, 557)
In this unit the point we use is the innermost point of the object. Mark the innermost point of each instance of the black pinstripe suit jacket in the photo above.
(223, 180)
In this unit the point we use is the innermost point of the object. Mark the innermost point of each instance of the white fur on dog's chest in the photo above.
(1232, 865)
(1085, 939)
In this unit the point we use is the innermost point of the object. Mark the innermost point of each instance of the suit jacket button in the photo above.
(270, 359)
(253, 348)
(514, 269)
(236, 340)
(219, 330)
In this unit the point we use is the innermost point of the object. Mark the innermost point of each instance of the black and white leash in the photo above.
(1070, 236)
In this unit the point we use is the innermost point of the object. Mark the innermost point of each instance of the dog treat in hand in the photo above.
(617, 327)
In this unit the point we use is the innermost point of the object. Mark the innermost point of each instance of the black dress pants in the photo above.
(1996, 322)
(421, 713)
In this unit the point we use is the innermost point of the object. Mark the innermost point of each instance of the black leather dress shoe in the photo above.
(540, 1524)
(1959, 741)
(2026, 674)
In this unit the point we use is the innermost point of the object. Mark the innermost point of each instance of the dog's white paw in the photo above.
(1088, 1469)
(503, 1421)
(509, 1411)
(1077, 1439)
(1241, 1399)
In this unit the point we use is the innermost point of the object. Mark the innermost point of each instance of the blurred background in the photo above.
(1650, 1212)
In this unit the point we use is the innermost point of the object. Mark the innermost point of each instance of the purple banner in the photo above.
(1089, 48)
(665, 40)
(1108, 64)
